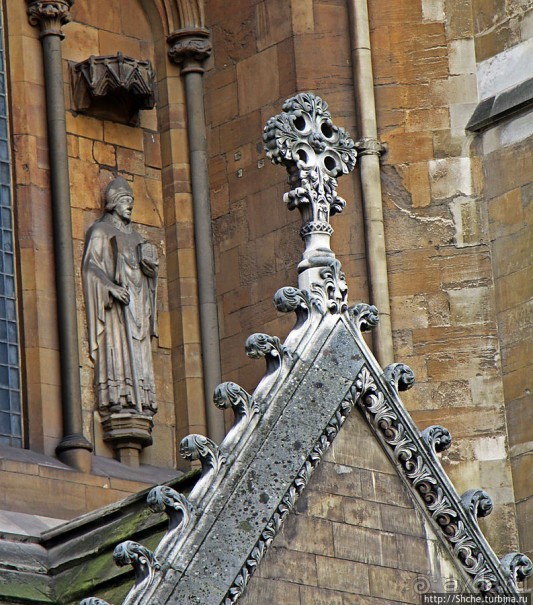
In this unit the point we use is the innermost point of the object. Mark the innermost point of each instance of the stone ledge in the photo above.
(66, 558)
(502, 106)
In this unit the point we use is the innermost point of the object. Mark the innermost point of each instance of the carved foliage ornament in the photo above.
(143, 561)
(231, 395)
(315, 152)
(163, 499)
(190, 45)
(49, 15)
(198, 447)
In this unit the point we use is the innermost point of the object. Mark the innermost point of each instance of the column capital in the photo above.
(190, 48)
(49, 15)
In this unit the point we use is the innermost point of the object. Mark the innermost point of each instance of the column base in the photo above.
(75, 451)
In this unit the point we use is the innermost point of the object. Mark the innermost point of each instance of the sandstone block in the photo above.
(81, 41)
(319, 504)
(84, 126)
(320, 596)
(393, 584)
(130, 161)
(374, 547)
(126, 136)
(112, 43)
(290, 565)
(263, 591)
(273, 23)
(307, 534)
(83, 176)
(104, 154)
(258, 82)
(361, 512)
(342, 575)
(471, 306)
(400, 520)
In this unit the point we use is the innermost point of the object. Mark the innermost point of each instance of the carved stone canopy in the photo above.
(113, 87)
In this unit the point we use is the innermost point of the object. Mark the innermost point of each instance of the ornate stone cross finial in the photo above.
(315, 152)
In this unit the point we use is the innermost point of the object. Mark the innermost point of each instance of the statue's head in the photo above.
(119, 198)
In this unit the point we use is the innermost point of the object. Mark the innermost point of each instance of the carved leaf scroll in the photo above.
(143, 561)
(164, 499)
(231, 395)
(270, 347)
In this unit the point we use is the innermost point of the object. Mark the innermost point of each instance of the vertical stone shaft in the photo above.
(190, 48)
(369, 153)
(73, 449)
(204, 250)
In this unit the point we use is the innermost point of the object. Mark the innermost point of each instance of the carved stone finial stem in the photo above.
(49, 15)
(315, 153)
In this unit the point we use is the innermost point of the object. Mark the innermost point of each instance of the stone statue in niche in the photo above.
(119, 271)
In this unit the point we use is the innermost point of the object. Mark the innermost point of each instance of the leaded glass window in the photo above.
(10, 405)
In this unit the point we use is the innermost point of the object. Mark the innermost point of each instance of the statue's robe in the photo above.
(119, 335)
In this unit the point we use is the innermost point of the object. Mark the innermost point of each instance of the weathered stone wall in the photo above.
(500, 25)
(439, 257)
(441, 283)
(503, 41)
(454, 294)
(509, 194)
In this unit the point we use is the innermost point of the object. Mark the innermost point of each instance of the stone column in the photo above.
(190, 48)
(50, 16)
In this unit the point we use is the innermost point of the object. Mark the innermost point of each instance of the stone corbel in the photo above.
(190, 48)
(128, 433)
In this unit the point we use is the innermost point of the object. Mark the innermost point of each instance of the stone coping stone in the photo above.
(499, 107)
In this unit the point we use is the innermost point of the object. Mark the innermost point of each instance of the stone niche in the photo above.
(113, 87)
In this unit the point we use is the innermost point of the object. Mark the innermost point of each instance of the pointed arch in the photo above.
(172, 15)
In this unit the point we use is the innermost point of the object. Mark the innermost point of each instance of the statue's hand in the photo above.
(120, 294)
(149, 267)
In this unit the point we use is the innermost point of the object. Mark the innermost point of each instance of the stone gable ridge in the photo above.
(219, 534)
